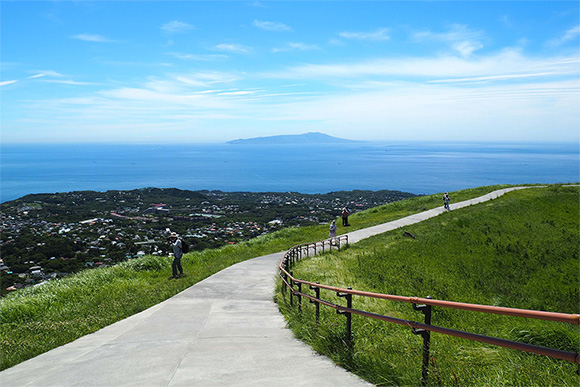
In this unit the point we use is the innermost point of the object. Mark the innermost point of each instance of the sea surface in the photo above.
(417, 167)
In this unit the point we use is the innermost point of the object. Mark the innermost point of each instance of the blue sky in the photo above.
(194, 71)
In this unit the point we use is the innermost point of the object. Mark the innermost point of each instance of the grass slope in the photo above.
(520, 250)
(35, 320)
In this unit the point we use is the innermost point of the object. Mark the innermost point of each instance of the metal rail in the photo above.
(422, 304)
(536, 314)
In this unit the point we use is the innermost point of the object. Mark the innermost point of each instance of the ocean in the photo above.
(417, 167)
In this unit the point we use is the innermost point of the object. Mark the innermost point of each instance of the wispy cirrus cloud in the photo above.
(568, 36)
(505, 77)
(258, 4)
(189, 82)
(296, 46)
(177, 27)
(492, 93)
(466, 48)
(237, 48)
(4, 83)
(199, 57)
(45, 73)
(53, 74)
(377, 35)
(271, 26)
(503, 66)
(303, 46)
(39, 74)
(239, 92)
(95, 38)
(459, 37)
(505, 20)
(70, 82)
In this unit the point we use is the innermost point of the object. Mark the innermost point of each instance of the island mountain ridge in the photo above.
(306, 138)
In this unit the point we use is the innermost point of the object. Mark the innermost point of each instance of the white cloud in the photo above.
(70, 82)
(459, 37)
(50, 73)
(258, 4)
(466, 48)
(4, 83)
(378, 35)
(571, 34)
(175, 27)
(495, 77)
(232, 48)
(417, 97)
(45, 73)
(303, 46)
(297, 46)
(92, 38)
(189, 83)
(568, 36)
(239, 92)
(408, 110)
(430, 68)
(41, 74)
(271, 26)
(199, 57)
(505, 19)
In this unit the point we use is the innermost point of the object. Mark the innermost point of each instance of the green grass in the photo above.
(520, 251)
(35, 320)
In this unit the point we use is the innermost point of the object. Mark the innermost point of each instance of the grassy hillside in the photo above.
(520, 250)
(35, 320)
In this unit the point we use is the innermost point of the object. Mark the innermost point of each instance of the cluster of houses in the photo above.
(132, 231)
(101, 236)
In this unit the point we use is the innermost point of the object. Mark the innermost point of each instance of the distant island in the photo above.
(306, 138)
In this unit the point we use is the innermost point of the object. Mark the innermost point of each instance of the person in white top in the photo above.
(332, 232)
(177, 254)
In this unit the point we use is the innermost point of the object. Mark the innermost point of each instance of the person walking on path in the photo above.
(345, 214)
(177, 254)
(446, 201)
(332, 232)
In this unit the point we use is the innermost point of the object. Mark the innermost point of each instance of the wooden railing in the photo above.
(422, 304)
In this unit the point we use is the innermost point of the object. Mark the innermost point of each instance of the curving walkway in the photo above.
(223, 331)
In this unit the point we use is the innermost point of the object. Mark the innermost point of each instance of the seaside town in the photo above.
(47, 236)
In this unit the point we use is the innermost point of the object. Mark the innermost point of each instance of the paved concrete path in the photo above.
(356, 236)
(223, 331)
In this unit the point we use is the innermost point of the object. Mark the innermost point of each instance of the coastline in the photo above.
(416, 167)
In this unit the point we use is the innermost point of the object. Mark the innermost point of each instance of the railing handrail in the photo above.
(551, 352)
(286, 276)
(535, 314)
(317, 242)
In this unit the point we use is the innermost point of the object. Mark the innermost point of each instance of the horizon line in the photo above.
(227, 142)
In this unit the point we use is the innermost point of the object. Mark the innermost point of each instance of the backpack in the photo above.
(184, 247)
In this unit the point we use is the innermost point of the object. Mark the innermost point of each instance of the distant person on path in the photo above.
(446, 201)
(332, 232)
(345, 213)
(177, 254)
